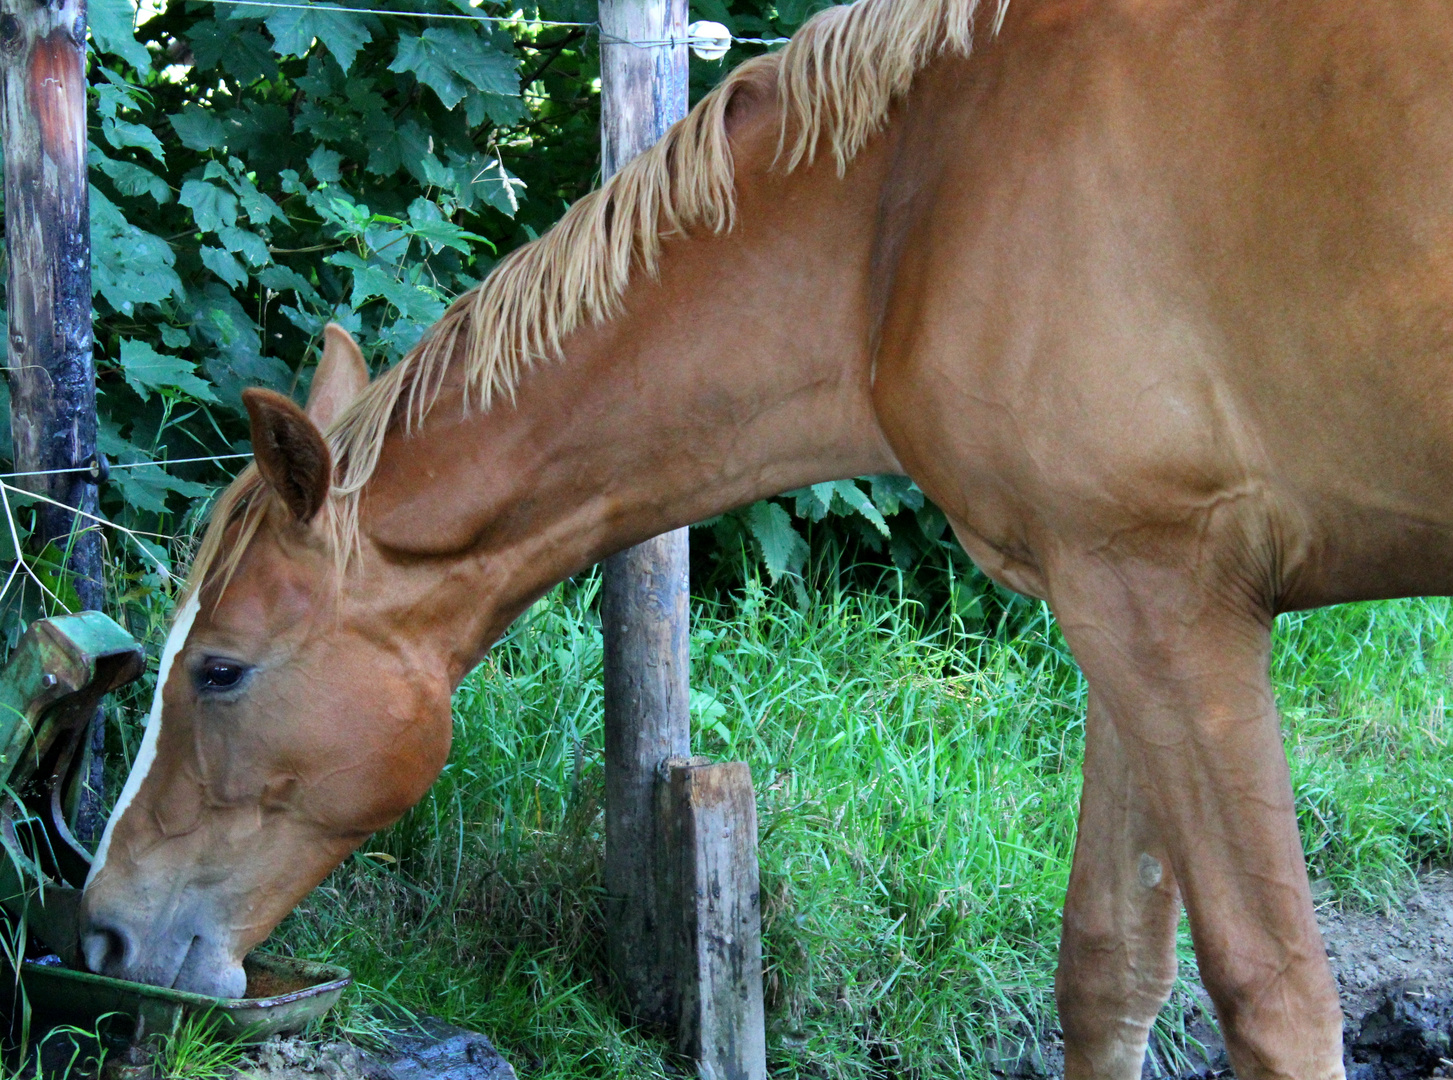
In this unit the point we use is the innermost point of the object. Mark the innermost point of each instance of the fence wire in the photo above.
(712, 42)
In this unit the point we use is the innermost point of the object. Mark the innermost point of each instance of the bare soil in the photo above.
(439, 1052)
(1395, 976)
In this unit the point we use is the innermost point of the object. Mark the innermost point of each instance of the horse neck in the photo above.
(743, 370)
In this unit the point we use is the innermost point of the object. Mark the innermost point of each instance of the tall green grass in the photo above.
(917, 788)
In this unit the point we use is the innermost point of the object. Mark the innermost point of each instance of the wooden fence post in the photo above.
(644, 617)
(644, 600)
(48, 244)
(682, 903)
(719, 966)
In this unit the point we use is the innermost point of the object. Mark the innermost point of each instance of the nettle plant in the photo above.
(258, 171)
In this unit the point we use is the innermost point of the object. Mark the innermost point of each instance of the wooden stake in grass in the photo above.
(719, 970)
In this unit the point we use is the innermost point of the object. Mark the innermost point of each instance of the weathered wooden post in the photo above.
(48, 243)
(684, 924)
(644, 601)
(721, 1022)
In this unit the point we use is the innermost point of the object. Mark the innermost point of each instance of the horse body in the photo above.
(1152, 298)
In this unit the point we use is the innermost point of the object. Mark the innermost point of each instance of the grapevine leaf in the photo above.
(281, 278)
(294, 31)
(198, 128)
(449, 60)
(212, 208)
(112, 25)
(132, 180)
(146, 370)
(324, 165)
(499, 187)
(245, 54)
(249, 245)
(123, 133)
(222, 263)
(128, 265)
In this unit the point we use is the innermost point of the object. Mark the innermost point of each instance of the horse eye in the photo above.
(220, 674)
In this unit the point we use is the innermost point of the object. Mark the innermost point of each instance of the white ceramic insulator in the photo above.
(709, 40)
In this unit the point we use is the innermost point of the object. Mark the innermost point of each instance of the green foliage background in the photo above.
(258, 171)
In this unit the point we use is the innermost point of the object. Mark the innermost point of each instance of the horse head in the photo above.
(285, 728)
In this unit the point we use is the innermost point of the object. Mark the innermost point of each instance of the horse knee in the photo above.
(1116, 970)
(1279, 1021)
(1105, 973)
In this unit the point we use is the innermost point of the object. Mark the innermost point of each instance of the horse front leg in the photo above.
(1117, 957)
(1180, 665)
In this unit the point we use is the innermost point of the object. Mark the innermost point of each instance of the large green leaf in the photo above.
(131, 179)
(146, 370)
(111, 23)
(223, 264)
(123, 133)
(324, 163)
(233, 345)
(499, 187)
(281, 278)
(430, 226)
(259, 208)
(116, 95)
(128, 265)
(448, 60)
(783, 549)
(249, 245)
(199, 128)
(144, 486)
(393, 146)
(244, 54)
(412, 299)
(147, 487)
(294, 30)
(212, 207)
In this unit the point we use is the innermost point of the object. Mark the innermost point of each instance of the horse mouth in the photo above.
(209, 970)
(205, 968)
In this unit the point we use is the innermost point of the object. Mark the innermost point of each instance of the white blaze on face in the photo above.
(147, 754)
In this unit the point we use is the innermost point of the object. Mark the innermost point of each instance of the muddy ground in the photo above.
(1395, 975)
(443, 1052)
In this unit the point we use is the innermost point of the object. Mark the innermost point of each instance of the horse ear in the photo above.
(340, 376)
(289, 451)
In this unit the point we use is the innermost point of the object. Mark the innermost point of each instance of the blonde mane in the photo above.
(836, 81)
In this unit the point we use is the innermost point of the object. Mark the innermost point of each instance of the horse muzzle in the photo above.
(122, 946)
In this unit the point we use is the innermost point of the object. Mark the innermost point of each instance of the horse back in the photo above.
(1153, 273)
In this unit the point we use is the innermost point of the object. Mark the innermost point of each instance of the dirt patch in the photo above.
(1395, 977)
(438, 1051)
(1396, 980)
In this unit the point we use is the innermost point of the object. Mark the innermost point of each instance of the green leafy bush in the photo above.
(258, 171)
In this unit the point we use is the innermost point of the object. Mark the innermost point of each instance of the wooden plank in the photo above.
(48, 244)
(722, 1021)
(644, 610)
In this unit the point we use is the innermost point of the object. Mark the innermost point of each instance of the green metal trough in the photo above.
(49, 690)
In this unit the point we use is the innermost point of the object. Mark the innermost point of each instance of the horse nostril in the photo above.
(106, 950)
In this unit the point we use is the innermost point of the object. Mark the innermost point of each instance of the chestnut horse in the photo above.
(1153, 297)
